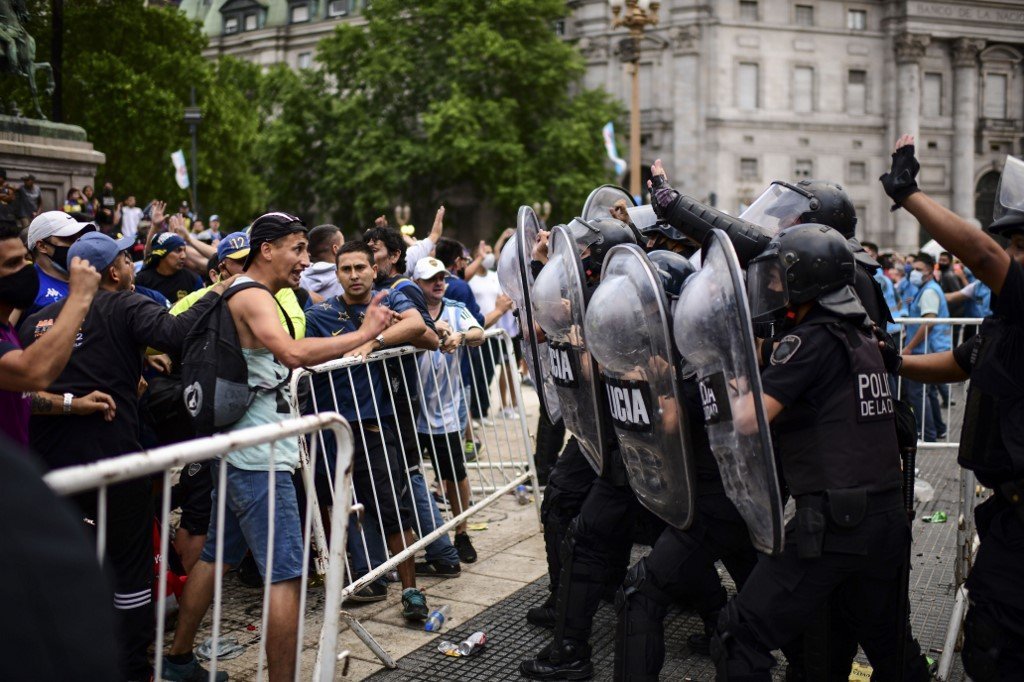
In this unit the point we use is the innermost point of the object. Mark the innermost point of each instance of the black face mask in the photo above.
(19, 289)
(60, 257)
(943, 268)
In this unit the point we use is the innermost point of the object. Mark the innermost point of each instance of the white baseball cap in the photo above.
(54, 224)
(427, 268)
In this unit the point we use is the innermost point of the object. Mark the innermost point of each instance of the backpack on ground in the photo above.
(214, 372)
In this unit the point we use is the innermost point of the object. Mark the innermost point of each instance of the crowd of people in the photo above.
(97, 302)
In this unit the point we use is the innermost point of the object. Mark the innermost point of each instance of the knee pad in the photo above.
(983, 642)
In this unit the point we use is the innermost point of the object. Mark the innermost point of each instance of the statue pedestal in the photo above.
(59, 155)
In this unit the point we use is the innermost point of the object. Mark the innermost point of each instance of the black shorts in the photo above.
(192, 493)
(378, 477)
(445, 450)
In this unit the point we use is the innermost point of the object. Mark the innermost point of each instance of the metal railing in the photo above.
(934, 406)
(412, 411)
(165, 462)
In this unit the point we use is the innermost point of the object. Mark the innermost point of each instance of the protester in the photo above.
(211, 235)
(321, 277)
(34, 369)
(90, 204)
(360, 396)
(28, 201)
(106, 365)
(50, 236)
(275, 261)
(165, 270)
(131, 216)
(443, 416)
(106, 217)
(8, 220)
(74, 205)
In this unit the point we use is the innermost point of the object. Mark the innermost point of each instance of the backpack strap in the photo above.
(256, 285)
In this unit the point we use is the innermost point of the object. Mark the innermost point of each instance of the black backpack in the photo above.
(214, 373)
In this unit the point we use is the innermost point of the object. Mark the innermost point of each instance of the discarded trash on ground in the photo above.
(227, 648)
(477, 526)
(468, 647)
(923, 491)
(937, 517)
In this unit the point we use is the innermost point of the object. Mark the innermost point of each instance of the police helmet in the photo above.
(599, 235)
(1008, 212)
(802, 263)
(672, 269)
(830, 206)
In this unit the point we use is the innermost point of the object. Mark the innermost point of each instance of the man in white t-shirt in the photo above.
(131, 215)
(496, 308)
(443, 411)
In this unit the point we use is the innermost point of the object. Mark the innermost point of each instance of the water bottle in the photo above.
(436, 619)
(522, 496)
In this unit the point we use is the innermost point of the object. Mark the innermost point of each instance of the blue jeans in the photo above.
(429, 518)
(926, 401)
(246, 516)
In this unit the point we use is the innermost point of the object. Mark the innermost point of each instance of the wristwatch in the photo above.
(67, 402)
(380, 341)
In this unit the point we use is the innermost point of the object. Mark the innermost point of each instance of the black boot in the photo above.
(700, 642)
(543, 615)
(571, 661)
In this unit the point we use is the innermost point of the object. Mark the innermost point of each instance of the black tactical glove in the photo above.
(662, 195)
(901, 180)
(891, 357)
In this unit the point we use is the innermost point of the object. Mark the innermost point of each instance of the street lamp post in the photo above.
(635, 15)
(193, 116)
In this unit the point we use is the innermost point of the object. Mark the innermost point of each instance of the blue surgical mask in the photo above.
(916, 278)
(907, 268)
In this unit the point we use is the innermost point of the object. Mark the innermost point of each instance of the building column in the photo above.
(687, 112)
(965, 117)
(910, 49)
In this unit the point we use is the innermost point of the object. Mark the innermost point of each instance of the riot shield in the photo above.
(559, 301)
(600, 201)
(627, 329)
(712, 329)
(516, 279)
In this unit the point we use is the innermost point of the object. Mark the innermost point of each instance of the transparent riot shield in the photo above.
(712, 329)
(598, 204)
(516, 279)
(559, 301)
(628, 332)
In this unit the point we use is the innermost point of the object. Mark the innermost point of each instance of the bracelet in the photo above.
(67, 402)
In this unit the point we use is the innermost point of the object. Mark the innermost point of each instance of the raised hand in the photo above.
(83, 279)
(901, 180)
(377, 317)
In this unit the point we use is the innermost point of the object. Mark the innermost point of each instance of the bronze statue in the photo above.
(18, 51)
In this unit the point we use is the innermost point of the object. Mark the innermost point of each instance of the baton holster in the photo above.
(810, 526)
(847, 507)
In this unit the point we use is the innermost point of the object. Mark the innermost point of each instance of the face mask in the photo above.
(907, 268)
(943, 268)
(916, 278)
(19, 289)
(60, 258)
(489, 261)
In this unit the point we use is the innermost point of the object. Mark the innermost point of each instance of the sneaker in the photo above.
(472, 449)
(465, 548)
(414, 605)
(438, 569)
(509, 413)
(189, 672)
(487, 421)
(527, 381)
(375, 591)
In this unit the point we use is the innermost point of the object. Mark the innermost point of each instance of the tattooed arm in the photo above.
(51, 403)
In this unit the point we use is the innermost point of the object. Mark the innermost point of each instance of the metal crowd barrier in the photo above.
(502, 461)
(164, 462)
(940, 401)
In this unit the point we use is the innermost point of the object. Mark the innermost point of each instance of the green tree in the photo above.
(128, 70)
(453, 96)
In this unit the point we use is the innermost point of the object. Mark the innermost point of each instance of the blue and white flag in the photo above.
(180, 169)
(609, 144)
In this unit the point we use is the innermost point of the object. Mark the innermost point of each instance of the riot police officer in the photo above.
(826, 393)
(992, 439)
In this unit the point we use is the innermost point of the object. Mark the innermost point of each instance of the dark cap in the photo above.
(271, 227)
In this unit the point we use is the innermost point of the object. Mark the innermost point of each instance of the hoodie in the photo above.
(321, 278)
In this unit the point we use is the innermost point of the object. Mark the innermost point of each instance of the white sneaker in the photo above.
(509, 413)
(486, 421)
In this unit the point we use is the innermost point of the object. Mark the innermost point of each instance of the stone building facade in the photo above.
(737, 93)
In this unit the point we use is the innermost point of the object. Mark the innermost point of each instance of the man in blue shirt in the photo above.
(363, 397)
(930, 301)
(50, 235)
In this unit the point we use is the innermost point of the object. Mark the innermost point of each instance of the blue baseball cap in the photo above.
(99, 249)
(163, 245)
(234, 246)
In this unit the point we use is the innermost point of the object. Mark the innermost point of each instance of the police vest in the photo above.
(940, 336)
(849, 441)
(992, 440)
